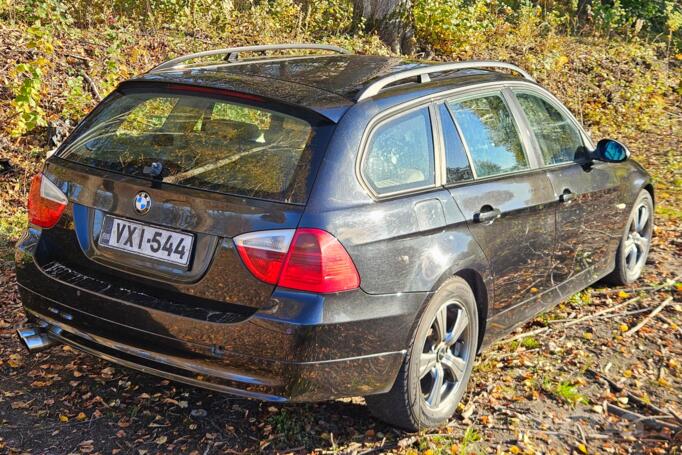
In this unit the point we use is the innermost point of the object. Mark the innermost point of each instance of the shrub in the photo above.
(27, 79)
(77, 101)
(447, 26)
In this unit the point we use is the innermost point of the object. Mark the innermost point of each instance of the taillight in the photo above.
(46, 202)
(317, 262)
(264, 252)
(305, 259)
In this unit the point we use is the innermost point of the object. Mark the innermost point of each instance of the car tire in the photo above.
(634, 246)
(444, 345)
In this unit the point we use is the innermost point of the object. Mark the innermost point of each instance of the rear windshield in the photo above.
(200, 141)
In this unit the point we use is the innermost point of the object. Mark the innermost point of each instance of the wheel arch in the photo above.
(650, 188)
(477, 284)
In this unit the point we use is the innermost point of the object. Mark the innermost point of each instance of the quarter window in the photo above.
(456, 161)
(400, 154)
(558, 138)
(490, 133)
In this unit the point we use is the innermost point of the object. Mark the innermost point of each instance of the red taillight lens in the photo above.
(317, 262)
(46, 202)
(306, 259)
(264, 252)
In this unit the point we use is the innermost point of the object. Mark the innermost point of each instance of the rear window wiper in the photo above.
(154, 170)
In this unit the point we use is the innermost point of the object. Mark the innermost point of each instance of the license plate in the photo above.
(146, 240)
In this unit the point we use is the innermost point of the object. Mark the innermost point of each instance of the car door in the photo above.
(397, 240)
(508, 203)
(585, 191)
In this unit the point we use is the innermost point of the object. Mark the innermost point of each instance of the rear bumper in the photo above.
(301, 347)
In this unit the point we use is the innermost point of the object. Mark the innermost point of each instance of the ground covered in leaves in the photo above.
(568, 382)
(600, 373)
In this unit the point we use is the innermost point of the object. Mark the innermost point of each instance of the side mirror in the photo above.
(611, 151)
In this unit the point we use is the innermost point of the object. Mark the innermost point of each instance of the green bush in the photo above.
(447, 26)
(77, 101)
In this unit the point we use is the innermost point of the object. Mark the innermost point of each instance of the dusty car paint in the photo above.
(217, 326)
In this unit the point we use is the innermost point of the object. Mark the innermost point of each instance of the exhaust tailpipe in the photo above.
(36, 339)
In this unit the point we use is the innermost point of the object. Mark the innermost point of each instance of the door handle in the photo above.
(487, 213)
(566, 196)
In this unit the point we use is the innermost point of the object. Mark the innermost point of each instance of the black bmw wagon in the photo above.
(314, 225)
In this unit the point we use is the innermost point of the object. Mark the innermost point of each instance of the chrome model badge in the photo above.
(143, 202)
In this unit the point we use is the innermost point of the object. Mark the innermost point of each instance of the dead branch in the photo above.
(651, 315)
(666, 284)
(523, 335)
(667, 413)
(647, 421)
(92, 84)
(79, 57)
(605, 311)
(589, 317)
(669, 322)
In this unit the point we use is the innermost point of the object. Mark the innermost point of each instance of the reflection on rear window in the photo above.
(201, 142)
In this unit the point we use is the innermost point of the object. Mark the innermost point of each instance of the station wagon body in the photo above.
(300, 263)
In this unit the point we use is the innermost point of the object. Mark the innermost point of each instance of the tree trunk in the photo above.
(390, 18)
(582, 12)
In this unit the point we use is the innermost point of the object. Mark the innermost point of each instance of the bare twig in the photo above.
(79, 57)
(605, 311)
(93, 86)
(651, 315)
(523, 335)
(676, 415)
(591, 317)
(666, 284)
(648, 421)
(669, 322)
(582, 433)
(669, 283)
(667, 413)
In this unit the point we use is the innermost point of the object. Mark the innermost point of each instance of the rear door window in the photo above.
(558, 138)
(490, 133)
(202, 142)
(400, 155)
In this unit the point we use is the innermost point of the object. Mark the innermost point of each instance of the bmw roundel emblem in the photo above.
(143, 202)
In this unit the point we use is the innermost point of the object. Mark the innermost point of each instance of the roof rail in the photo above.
(232, 53)
(424, 71)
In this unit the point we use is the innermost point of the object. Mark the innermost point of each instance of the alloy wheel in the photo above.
(638, 239)
(445, 354)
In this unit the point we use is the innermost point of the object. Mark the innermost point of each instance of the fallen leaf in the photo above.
(19, 405)
(468, 411)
